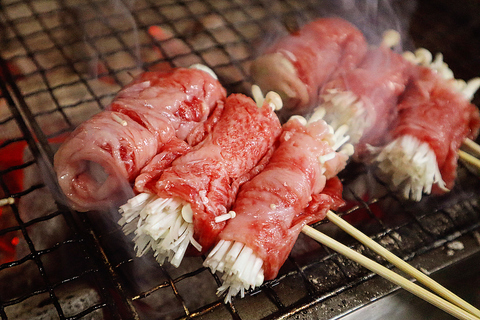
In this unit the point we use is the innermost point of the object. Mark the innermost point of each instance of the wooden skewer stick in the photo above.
(388, 274)
(469, 158)
(401, 264)
(472, 145)
(6, 201)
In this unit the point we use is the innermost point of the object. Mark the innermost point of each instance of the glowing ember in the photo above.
(159, 34)
(15, 241)
(14, 70)
(100, 71)
(10, 155)
(171, 47)
(10, 240)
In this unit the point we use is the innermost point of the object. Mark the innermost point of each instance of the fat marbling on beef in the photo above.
(190, 199)
(272, 207)
(299, 64)
(434, 118)
(158, 112)
(365, 98)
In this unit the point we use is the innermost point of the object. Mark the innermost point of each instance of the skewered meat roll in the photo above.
(365, 98)
(190, 201)
(434, 118)
(298, 65)
(157, 112)
(427, 106)
(272, 208)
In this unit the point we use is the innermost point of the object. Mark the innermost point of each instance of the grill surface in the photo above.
(63, 61)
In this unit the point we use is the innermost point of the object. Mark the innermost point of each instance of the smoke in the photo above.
(123, 9)
(143, 273)
(37, 210)
(372, 17)
(90, 29)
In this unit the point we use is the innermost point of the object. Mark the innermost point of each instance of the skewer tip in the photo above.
(7, 201)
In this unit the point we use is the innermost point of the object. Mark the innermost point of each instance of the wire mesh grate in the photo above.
(63, 61)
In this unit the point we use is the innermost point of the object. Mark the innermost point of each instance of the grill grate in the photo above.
(63, 61)
(22, 229)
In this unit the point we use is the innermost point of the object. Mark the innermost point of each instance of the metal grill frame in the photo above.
(80, 235)
(109, 271)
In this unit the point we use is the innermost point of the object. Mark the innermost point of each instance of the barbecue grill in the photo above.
(63, 61)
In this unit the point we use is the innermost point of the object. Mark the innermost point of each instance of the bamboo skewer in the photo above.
(469, 158)
(389, 275)
(474, 152)
(452, 304)
(472, 145)
(6, 201)
(401, 264)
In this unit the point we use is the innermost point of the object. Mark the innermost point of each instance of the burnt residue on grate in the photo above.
(63, 61)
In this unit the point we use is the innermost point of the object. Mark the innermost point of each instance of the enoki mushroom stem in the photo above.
(163, 225)
(411, 165)
(242, 269)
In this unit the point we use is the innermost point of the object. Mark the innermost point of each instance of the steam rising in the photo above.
(372, 17)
